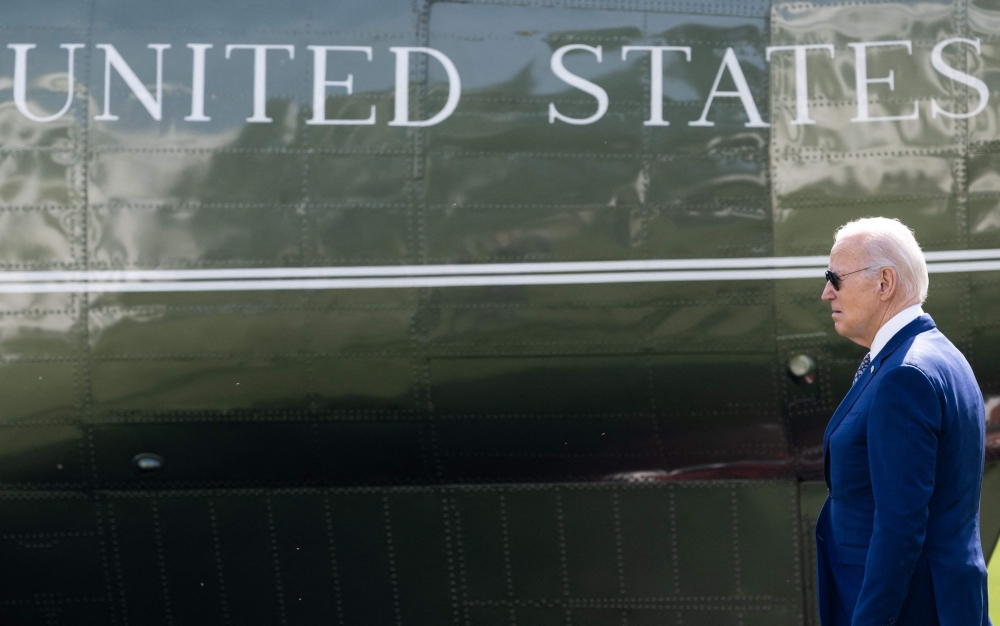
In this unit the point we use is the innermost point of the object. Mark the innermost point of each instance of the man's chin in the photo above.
(839, 327)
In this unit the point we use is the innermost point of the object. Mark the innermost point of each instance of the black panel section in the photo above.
(647, 523)
(191, 560)
(519, 447)
(482, 534)
(247, 545)
(36, 565)
(421, 555)
(551, 385)
(358, 524)
(420, 539)
(593, 543)
(46, 611)
(536, 530)
(251, 452)
(372, 451)
(43, 456)
(212, 453)
(305, 551)
(706, 512)
(136, 533)
(52, 547)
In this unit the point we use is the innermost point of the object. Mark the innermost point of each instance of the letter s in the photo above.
(580, 83)
(960, 77)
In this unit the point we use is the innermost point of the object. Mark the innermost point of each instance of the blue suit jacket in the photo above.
(898, 538)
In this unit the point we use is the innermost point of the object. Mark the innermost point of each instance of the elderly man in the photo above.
(898, 538)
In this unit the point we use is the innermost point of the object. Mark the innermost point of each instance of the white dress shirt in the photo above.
(893, 326)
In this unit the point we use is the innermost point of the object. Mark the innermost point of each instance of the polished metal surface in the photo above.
(802, 369)
(147, 462)
(561, 443)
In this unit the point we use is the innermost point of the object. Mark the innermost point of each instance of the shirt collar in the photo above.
(893, 326)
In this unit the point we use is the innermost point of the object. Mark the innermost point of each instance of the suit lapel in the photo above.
(845, 406)
(917, 326)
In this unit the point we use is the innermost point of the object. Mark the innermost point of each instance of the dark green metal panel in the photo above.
(436, 455)
(593, 554)
(812, 496)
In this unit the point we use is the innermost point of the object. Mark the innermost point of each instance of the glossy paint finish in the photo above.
(452, 455)
(482, 554)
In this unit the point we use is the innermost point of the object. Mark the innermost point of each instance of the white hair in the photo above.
(889, 243)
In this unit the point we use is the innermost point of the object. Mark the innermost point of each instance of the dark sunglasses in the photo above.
(834, 279)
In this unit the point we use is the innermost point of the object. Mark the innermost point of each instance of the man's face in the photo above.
(855, 305)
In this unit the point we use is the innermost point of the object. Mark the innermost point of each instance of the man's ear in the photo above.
(887, 282)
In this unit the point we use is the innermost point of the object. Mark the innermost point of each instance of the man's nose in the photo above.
(828, 292)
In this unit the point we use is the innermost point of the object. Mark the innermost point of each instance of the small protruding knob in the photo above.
(802, 369)
(147, 462)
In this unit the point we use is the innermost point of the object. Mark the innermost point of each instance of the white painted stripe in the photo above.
(455, 269)
(409, 281)
(948, 268)
(414, 276)
(416, 270)
(962, 255)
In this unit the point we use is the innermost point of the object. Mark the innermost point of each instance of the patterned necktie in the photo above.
(864, 365)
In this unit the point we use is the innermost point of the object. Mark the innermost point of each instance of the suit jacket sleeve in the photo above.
(903, 429)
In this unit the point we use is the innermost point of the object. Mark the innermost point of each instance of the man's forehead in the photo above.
(845, 250)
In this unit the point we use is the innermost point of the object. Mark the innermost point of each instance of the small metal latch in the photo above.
(147, 462)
